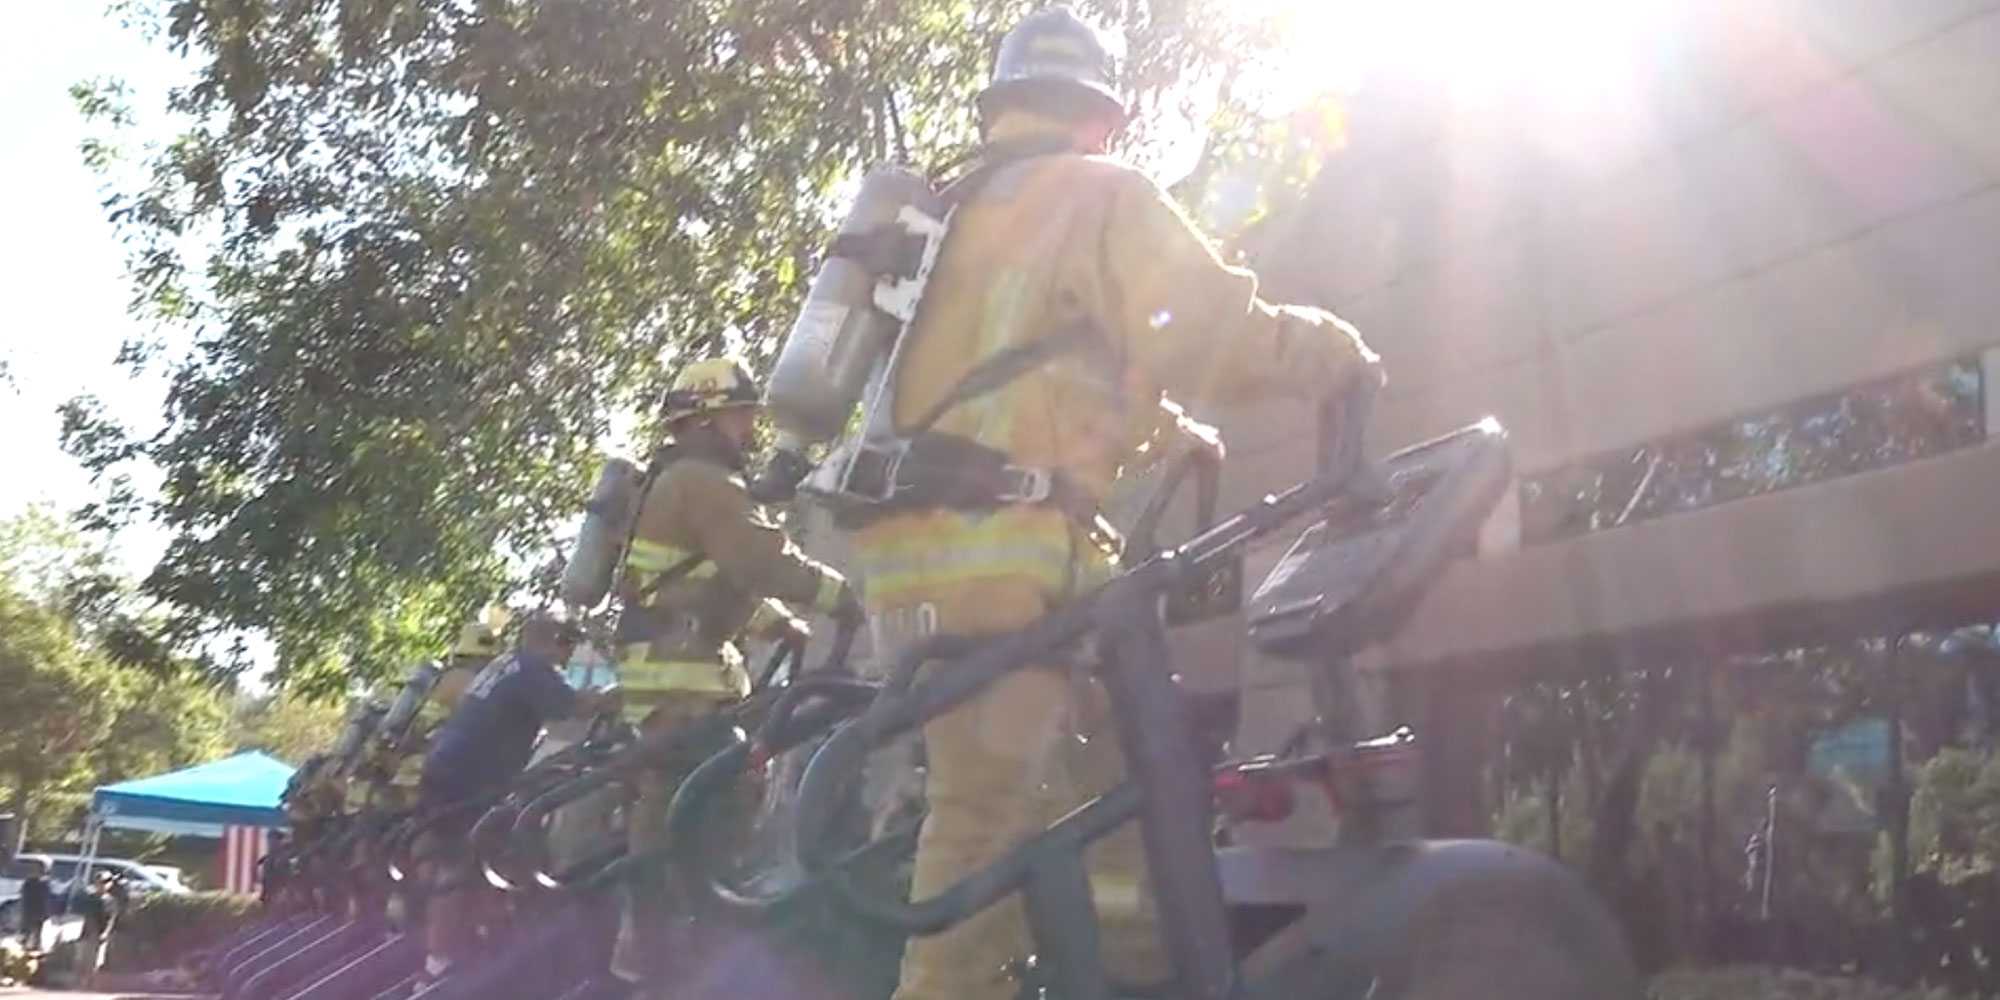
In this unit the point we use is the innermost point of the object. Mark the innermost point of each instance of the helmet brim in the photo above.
(706, 411)
(1023, 91)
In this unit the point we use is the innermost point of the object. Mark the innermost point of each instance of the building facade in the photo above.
(1738, 315)
(1739, 323)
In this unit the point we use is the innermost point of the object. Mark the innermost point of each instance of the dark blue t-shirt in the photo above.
(491, 732)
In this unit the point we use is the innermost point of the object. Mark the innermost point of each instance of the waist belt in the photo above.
(934, 471)
(649, 624)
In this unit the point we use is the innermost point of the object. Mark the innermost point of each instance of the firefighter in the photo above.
(392, 767)
(704, 565)
(396, 763)
(1061, 247)
(484, 743)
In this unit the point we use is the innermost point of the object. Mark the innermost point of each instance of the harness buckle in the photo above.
(1028, 486)
(872, 473)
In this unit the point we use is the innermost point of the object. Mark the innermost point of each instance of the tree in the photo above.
(287, 727)
(454, 243)
(74, 713)
(59, 704)
(165, 723)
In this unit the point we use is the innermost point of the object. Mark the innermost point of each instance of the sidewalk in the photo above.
(34, 993)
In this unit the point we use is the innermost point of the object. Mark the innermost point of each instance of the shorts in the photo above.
(443, 851)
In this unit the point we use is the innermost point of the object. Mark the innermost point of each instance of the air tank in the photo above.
(607, 523)
(361, 720)
(841, 333)
(408, 703)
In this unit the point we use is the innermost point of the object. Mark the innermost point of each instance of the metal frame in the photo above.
(1355, 896)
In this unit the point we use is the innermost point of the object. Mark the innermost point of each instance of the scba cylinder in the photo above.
(840, 335)
(361, 721)
(421, 681)
(607, 520)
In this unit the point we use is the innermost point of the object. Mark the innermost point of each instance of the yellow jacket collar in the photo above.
(1015, 125)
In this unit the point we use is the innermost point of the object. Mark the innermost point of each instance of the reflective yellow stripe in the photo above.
(653, 557)
(1118, 897)
(645, 681)
(766, 614)
(673, 675)
(408, 772)
(828, 597)
(902, 563)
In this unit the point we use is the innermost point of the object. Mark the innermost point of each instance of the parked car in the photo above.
(169, 875)
(63, 868)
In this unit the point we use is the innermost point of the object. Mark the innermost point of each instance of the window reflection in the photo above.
(1870, 427)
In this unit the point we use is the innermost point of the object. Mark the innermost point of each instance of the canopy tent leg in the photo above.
(93, 829)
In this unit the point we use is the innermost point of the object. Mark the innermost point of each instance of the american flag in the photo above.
(243, 848)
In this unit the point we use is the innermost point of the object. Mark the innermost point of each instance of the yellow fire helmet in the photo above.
(710, 386)
(478, 640)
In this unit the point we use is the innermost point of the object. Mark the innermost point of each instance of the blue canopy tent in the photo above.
(198, 801)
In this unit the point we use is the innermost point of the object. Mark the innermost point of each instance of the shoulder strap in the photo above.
(661, 460)
(997, 157)
(1002, 369)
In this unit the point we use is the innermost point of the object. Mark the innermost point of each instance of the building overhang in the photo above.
(1911, 547)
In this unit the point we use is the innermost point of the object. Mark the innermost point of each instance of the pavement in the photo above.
(35, 993)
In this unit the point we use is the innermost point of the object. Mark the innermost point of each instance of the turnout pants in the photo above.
(652, 902)
(1002, 767)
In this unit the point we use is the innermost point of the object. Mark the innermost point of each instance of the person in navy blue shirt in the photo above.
(486, 741)
(491, 732)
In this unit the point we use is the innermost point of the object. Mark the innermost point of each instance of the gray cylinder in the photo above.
(607, 521)
(361, 720)
(840, 335)
(408, 703)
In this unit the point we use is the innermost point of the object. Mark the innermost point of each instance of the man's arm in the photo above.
(772, 619)
(550, 697)
(748, 550)
(1195, 325)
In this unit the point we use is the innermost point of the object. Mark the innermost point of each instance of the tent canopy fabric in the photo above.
(236, 791)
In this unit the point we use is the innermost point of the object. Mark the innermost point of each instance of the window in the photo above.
(1870, 427)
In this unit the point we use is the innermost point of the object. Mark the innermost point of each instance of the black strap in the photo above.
(957, 473)
(1002, 369)
(646, 592)
(889, 250)
(997, 156)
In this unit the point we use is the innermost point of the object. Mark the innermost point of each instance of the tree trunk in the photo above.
(1896, 813)
(1711, 743)
(1555, 807)
(1589, 756)
(1615, 814)
(17, 805)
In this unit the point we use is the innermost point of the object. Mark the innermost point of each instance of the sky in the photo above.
(61, 265)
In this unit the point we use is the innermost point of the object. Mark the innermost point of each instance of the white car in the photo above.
(143, 879)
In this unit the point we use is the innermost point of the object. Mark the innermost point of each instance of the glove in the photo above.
(774, 622)
(847, 609)
(785, 628)
(779, 482)
(601, 701)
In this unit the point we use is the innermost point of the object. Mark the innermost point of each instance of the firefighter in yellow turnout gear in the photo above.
(389, 778)
(702, 567)
(1057, 241)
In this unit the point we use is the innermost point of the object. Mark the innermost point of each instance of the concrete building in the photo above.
(1792, 207)
(1791, 213)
